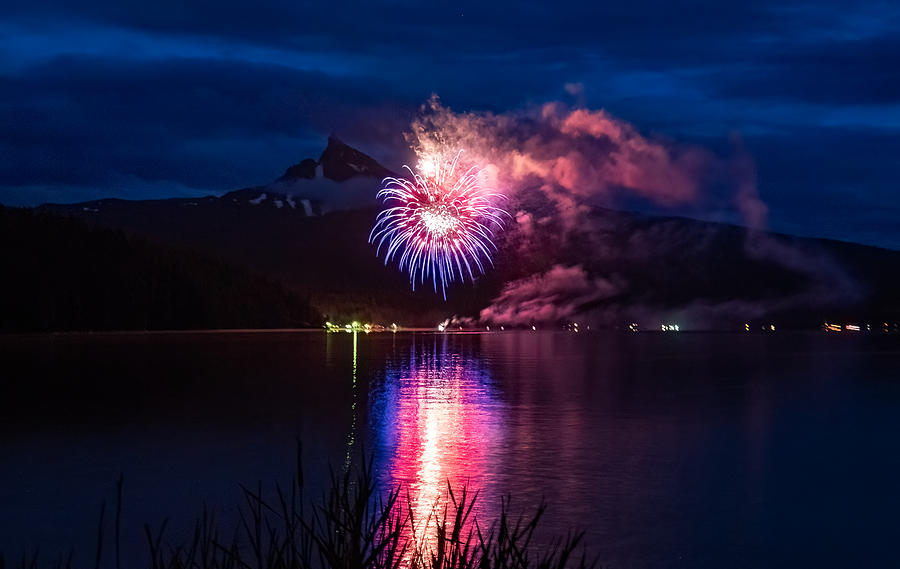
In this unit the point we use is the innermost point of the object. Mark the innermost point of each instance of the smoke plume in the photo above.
(577, 158)
(553, 296)
(830, 281)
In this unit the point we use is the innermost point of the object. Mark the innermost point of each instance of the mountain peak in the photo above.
(306, 169)
(339, 162)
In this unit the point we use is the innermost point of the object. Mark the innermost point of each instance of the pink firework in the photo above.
(440, 222)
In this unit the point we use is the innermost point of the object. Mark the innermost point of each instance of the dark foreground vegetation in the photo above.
(61, 275)
(352, 526)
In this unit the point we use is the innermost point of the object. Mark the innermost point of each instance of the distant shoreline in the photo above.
(235, 331)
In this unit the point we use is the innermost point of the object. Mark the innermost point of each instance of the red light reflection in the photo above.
(436, 422)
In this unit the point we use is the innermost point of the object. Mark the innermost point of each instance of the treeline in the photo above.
(61, 275)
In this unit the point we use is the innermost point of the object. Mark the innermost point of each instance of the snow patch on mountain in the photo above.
(355, 192)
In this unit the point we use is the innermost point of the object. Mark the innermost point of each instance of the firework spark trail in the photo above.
(439, 222)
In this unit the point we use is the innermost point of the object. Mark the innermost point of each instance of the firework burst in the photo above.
(440, 222)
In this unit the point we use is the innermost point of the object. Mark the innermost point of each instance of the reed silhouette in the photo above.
(350, 526)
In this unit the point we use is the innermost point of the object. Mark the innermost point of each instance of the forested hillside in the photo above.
(59, 274)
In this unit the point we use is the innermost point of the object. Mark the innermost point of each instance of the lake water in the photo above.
(668, 450)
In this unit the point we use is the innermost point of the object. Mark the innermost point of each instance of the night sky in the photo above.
(166, 98)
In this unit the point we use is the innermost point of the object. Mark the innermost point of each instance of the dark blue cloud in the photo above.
(202, 123)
